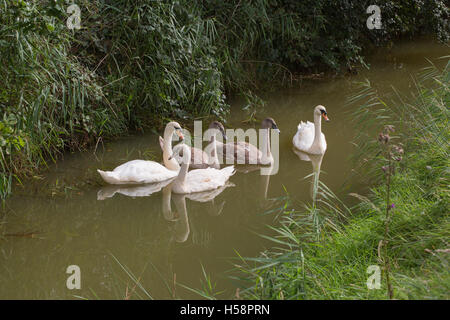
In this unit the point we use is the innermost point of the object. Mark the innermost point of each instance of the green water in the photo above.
(55, 220)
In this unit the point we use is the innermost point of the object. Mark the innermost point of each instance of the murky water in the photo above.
(56, 220)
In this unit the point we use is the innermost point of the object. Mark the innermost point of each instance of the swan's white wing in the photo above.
(138, 172)
(304, 137)
(207, 179)
(146, 172)
(141, 171)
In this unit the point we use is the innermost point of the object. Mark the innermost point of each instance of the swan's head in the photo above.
(269, 123)
(175, 126)
(184, 152)
(217, 125)
(321, 111)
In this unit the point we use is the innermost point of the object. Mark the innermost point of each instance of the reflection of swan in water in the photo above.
(182, 223)
(316, 161)
(266, 181)
(208, 196)
(180, 216)
(143, 190)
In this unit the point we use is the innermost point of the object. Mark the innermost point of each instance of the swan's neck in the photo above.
(171, 164)
(182, 225)
(181, 179)
(213, 159)
(317, 129)
(266, 154)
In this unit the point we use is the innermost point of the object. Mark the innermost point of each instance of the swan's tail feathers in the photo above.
(161, 142)
(109, 176)
(228, 171)
(300, 125)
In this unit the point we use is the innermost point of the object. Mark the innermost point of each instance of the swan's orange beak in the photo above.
(324, 115)
(179, 134)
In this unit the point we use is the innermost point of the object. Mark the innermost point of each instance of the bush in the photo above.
(135, 64)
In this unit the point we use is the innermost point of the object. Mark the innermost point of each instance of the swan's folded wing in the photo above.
(208, 179)
(141, 171)
(305, 126)
(304, 137)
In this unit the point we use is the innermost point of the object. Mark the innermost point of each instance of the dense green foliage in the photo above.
(135, 64)
(324, 251)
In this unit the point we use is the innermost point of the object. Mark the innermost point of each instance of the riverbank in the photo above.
(329, 251)
(133, 66)
(58, 213)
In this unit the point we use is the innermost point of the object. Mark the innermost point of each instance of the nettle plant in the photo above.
(392, 154)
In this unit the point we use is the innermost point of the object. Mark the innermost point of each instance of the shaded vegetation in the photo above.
(135, 64)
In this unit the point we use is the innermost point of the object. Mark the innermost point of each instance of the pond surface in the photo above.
(56, 220)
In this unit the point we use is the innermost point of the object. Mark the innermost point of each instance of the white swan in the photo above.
(309, 137)
(199, 180)
(142, 171)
